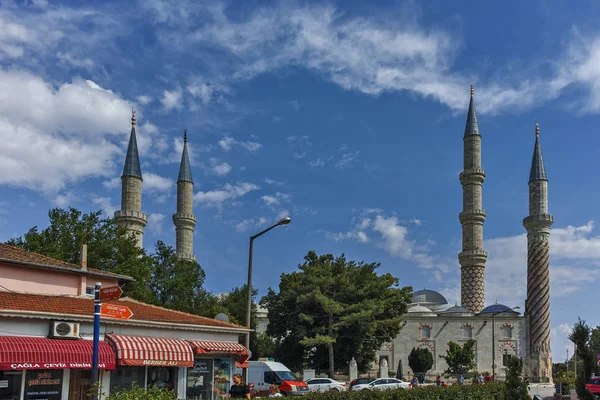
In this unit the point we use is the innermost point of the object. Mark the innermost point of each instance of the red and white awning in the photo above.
(143, 350)
(18, 353)
(215, 347)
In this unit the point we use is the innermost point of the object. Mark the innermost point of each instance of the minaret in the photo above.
(538, 267)
(472, 258)
(130, 216)
(185, 220)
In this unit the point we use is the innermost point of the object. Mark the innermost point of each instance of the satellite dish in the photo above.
(222, 317)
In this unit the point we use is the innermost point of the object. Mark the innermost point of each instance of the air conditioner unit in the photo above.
(64, 330)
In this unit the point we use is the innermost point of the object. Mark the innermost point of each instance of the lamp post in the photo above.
(494, 341)
(283, 221)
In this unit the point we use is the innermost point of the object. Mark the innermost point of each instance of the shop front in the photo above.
(211, 376)
(34, 368)
(149, 361)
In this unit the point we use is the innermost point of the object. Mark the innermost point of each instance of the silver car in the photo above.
(325, 385)
(385, 384)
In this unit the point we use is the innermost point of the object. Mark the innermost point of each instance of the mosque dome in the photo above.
(442, 308)
(428, 297)
(456, 309)
(418, 309)
(497, 308)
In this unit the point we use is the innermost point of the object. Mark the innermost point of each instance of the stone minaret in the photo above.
(130, 216)
(538, 267)
(472, 258)
(185, 220)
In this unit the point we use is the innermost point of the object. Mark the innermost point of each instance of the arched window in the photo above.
(467, 331)
(425, 332)
(507, 331)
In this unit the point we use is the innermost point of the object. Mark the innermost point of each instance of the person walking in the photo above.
(239, 390)
(460, 380)
(438, 381)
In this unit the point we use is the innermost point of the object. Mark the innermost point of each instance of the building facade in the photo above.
(48, 305)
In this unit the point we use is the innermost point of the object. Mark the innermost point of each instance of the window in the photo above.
(507, 331)
(467, 331)
(43, 384)
(124, 377)
(272, 378)
(425, 332)
(11, 387)
(89, 290)
(506, 359)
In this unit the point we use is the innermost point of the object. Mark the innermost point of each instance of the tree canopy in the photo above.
(581, 336)
(516, 388)
(460, 359)
(420, 361)
(332, 310)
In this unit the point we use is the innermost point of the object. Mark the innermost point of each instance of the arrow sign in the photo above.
(114, 311)
(110, 293)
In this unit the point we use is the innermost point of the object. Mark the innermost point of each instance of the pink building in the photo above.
(46, 331)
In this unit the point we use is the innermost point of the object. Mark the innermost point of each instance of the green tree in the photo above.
(177, 283)
(460, 359)
(420, 361)
(110, 248)
(581, 338)
(332, 310)
(516, 388)
(595, 346)
(263, 345)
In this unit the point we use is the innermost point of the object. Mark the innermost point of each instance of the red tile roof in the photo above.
(84, 306)
(14, 254)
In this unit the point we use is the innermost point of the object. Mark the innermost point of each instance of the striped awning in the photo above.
(143, 350)
(18, 353)
(215, 347)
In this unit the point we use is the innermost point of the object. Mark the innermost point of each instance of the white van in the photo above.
(263, 374)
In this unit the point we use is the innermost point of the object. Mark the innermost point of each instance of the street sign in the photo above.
(114, 311)
(110, 293)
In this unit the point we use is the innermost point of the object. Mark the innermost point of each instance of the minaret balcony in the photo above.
(184, 219)
(135, 217)
(472, 257)
(472, 216)
(539, 221)
(186, 257)
(472, 176)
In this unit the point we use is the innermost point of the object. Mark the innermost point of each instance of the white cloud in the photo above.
(172, 99)
(64, 200)
(295, 105)
(217, 167)
(299, 141)
(228, 143)
(112, 184)
(68, 58)
(105, 205)
(155, 223)
(250, 223)
(282, 214)
(347, 160)
(157, 183)
(316, 163)
(270, 181)
(299, 156)
(49, 130)
(216, 198)
(143, 99)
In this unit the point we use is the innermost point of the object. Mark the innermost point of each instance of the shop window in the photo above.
(10, 385)
(162, 377)
(222, 379)
(124, 377)
(43, 384)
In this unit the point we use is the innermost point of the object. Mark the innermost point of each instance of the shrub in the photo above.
(489, 391)
(134, 393)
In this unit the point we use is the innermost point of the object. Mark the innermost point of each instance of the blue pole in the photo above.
(97, 306)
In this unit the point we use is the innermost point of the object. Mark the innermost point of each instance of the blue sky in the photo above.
(348, 117)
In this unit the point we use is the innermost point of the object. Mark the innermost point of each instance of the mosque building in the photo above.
(498, 330)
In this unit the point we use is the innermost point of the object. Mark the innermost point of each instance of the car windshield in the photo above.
(286, 376)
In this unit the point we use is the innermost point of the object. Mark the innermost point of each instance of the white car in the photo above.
(384, 384)
(325, 385)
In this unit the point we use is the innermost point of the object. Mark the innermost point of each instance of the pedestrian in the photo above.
(274, 391)
(460, 380)
(239, 390)
(438, 381)
(414, 382)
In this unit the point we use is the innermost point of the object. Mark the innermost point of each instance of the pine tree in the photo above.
(516, 388)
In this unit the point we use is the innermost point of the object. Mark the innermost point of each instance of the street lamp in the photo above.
(283, 221)
(494, 341)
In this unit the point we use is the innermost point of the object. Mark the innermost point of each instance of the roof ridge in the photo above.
(126, 298)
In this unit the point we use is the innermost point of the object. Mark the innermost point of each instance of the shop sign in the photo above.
(200, 367)
(3, 384)
(18, 366)
(43, 385)
(161, 363)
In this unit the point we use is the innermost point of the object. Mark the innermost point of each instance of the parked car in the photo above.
(385, 384)
(325, 385)
(594, 386)
(360, 383)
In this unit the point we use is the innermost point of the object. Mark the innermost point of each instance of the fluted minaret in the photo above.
(472, 258)
(538, 267)
(130, 216)
(185, 220)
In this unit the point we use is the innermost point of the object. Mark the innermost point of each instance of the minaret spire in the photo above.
(130, 216)
(472, 258)
(184, 219)
(538, 225)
